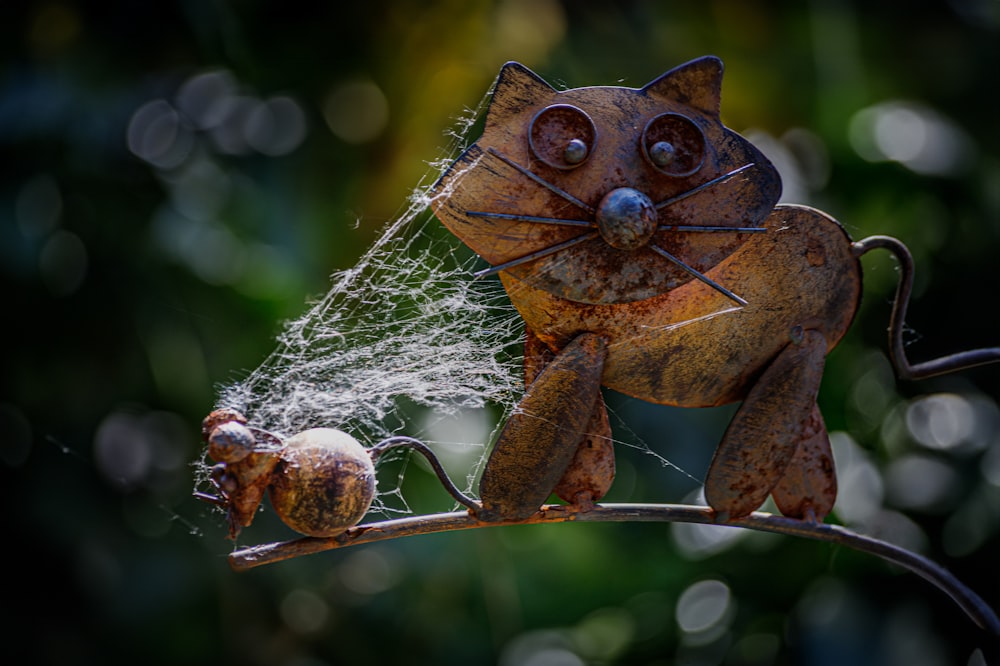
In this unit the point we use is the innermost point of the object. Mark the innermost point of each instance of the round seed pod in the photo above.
(324, 482)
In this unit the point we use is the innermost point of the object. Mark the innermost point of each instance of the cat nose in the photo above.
(626, 218)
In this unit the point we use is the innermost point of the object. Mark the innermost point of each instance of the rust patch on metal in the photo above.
(765, 432)
(808, 488)
(542, 436)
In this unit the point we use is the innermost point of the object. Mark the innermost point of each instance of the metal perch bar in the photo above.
(971, 603)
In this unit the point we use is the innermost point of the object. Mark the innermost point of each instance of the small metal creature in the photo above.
(321, 481)
(640, 241)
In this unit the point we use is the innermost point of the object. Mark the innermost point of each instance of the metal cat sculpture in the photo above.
(640, 241)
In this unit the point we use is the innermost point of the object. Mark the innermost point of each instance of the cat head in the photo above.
(607, 194)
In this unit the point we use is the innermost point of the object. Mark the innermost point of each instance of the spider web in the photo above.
(406, 338)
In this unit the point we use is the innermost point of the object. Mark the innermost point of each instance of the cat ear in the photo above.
(697, 84)
(518, 86)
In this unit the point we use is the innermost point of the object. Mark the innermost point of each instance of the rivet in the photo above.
(576, 151)
(662, 153)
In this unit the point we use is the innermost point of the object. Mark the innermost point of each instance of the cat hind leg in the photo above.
(766, 432)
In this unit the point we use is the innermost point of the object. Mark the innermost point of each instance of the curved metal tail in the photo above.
(938, 366)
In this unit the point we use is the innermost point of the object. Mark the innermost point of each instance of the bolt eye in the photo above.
(576, 152)
(674, 145)
(662, 153)
(562, 136)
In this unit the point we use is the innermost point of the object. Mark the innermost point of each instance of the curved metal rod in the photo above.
(541, 181)
(537, 254)
(971, 603)
(694, 228)
(401, 441)
(704, 186)
(897, 320)
(514, 217)
(695, 274)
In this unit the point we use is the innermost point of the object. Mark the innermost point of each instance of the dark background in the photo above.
(138, 276)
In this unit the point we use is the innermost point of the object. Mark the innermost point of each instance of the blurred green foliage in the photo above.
(135, 285)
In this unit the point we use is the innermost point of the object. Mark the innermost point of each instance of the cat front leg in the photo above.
(541, 438)
(768, 430)
(591, 472)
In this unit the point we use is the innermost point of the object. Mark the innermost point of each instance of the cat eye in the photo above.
(673, 144)
(562, 136)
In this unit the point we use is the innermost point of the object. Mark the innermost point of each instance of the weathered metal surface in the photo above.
(511, 195)
(242, 485)
(634, 214)
(541, 437)
(244, 467)
(320, 481)
(537, 355)
(766, 430)
(324, 483)
(808, 488)
(592, 470)
(693, 347)
(230, 442)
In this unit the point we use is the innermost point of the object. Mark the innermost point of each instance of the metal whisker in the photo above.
(552, 249)
(544, 252)
(531, 218)
(694, 227)
(695, 190)
(541, 181)
(701, 276)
